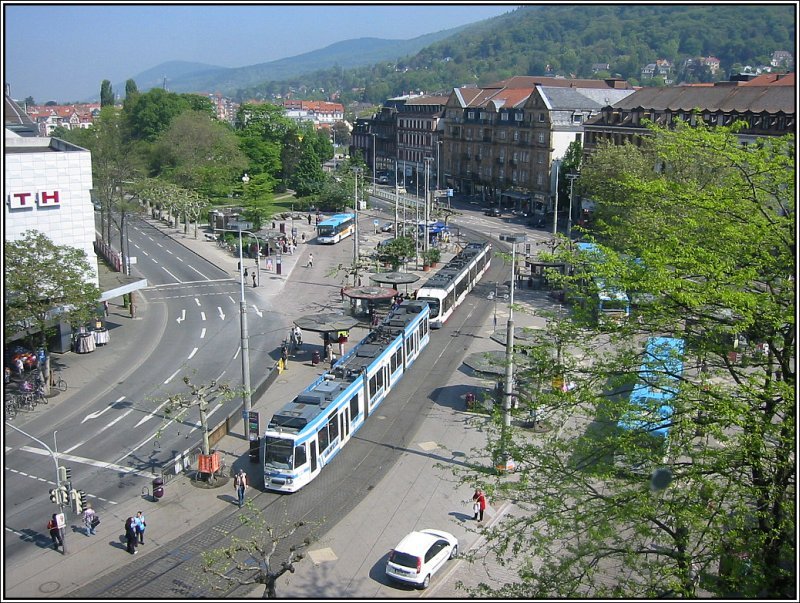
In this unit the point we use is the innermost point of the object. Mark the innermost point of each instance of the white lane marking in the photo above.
(160, 245)
(202, 333)
(169, 252)
(94, 415)
(119, 418)
(221, 313)
(172, 376)
(230, 298)
(152, 414)
(194, 351)
(217, 280)
(260, 314)
(183, 316)
(236, 355)
(144, 252)
(92, 462)
(71, 448)
(198, 272)
(197, 301)
(202, 316)
(172, 275)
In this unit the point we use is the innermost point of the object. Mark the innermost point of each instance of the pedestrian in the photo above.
(308, 217)
(284, 355)
(105, 308)
(303, 237)
(328, 350)
(55, 532)
(298, 336)
(140, 525)
(341, 293)
(310, 261)
(240, 485)
(246, 273)
(254, 278)
(342, 340)
(6, 375)
(479, 505)
(19, 365)
(130, 535)
(89, 517)
(332, 358)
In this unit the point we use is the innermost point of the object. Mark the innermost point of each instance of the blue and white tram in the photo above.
(445, 290)
(307, 433)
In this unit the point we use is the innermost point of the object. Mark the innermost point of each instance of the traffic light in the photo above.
(59, 495)
(64, 473)
(78, 501)
(54, 495)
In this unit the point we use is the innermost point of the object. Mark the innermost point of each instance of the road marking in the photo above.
(160, 245)
(200, 273)
(172, 376)
(221, 313)
(194, 351)
(152, 414)
(197, 301)
(119, 418)
(70, 449)
(203, 316)
(217, 280)
(172, 275)
(260, 314)
(169, 252)
(230, 298)
(236, 355)
(94, 415)
(202, 333)
(144, 252)
(92, 462)
(183, 316)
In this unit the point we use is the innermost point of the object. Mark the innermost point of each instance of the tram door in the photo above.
(313, 454)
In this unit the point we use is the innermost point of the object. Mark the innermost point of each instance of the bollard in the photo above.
(158, 488)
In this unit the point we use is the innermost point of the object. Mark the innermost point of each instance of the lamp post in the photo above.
(438, 144)
(506, 462)
(374, 167)
(426, 213)
(557, 163)
(572, 178)
(356, 172)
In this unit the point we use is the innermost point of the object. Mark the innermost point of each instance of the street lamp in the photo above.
(572, 178)
(356, 172)
(438, 144)
(374, 167)
(505, 460)
(557, 163)
(426, 213)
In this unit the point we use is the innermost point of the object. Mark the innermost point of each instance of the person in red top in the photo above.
(480, 504)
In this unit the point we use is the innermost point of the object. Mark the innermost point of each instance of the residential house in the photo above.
(318, 112)
(782, 58)
(71, 117)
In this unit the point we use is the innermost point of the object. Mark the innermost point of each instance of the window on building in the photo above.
(504, 117)
(577, 118)
(540, 138)
(516, 135)
(470, 114)
(541, 117)
(501, 135)
(518, 116)
(539, 179)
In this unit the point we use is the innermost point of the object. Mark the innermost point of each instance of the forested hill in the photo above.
(567, 40)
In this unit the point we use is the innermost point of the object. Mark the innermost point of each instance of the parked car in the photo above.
(420, 555)
(387, 227)
(383, 179)
(492, 211)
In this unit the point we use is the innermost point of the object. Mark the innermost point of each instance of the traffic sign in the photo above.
(237, 225)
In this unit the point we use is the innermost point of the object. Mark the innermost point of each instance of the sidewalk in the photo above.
(349, 560)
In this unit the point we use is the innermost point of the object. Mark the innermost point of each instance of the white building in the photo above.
(47, 188)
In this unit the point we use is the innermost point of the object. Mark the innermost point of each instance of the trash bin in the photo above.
(315, 357)
(158, 488)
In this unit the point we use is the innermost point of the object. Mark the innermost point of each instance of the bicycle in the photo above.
(58, 381)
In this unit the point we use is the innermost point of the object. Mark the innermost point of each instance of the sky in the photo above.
(63, 52)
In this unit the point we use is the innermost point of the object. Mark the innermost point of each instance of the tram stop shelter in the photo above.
(394, 278)
(365, 301)
(329, 325)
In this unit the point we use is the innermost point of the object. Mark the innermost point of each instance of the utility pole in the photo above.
(572, 178)
(356, 172)
(557, 163)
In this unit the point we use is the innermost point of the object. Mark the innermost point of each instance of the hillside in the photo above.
(565, 40)
(197, 77)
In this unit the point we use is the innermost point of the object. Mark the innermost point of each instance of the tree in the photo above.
(29, 102)
(704, 227)
(249, 560)
(199, 153)
(130, 89)
(49, 283)
(307, 177)
(397, 251)
(106, 94)
(149, 114)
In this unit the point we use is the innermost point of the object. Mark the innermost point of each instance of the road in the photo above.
(114, 432)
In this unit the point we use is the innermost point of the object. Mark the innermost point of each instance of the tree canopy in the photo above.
(700, 229)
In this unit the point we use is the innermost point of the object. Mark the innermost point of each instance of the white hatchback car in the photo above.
(420, 555)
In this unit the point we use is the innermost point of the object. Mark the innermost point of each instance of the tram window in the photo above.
(323, 438)
(373, 386)
(299, 455)
(398, 357)
(379, 379)
(354, 406)
(393, 363)
(333, 428)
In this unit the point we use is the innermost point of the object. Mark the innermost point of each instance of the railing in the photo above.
(108, 252)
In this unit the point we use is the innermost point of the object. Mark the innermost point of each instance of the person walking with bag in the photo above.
(479, 506)
(130, 535)
(240, 485)
(141, 524)
(90, 520)
(55, 532)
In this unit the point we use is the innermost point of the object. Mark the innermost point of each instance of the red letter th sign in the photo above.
(27, 200)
